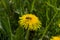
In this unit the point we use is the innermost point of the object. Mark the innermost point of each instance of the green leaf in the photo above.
(5, 23)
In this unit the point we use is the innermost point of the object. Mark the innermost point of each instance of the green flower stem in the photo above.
(47, 10)
(27, 35)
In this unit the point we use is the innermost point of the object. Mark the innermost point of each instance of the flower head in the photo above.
(55, 38)
(29, 21)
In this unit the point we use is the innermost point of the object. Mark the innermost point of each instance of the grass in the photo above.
(48, 11)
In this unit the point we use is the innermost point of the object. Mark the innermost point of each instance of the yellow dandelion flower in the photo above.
(55, 38)
(29, 21)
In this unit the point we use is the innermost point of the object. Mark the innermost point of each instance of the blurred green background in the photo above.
(48, 11)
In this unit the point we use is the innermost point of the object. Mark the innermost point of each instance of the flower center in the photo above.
(28, 18)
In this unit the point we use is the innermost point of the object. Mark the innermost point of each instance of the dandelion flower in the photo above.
(30, 22)
(55, 38)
